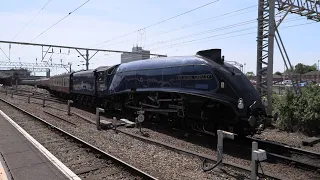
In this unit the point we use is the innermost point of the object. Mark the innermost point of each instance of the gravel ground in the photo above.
(292, 139)
(158, 161)
(132, 145)
(71, 156)
(32, 88)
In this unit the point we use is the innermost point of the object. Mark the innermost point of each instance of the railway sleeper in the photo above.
(102, 175)
(91, 168)
(70, 154)
(80, 161)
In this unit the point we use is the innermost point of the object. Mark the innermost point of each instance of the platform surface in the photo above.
(23, 160)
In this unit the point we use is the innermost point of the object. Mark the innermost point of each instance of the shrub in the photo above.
(299, 111)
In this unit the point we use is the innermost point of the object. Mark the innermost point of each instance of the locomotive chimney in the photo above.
(213, 54)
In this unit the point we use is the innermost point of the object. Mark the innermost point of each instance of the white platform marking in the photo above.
(64, 169)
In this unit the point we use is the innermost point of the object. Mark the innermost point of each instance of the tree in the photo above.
(250, 74)
(278, 73)
(302, 68)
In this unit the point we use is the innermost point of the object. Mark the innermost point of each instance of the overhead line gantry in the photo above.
(268, 31)
(85, 56)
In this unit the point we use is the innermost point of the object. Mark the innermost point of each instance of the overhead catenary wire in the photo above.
(152, 25)
(218, 35)
(208, 31)
(57, 22)
(214, 18)
(221, 38)
(201, 22)
(188, 42)
(220, 28)
(31, 20)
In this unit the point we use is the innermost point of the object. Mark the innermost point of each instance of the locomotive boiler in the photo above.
(200, 92)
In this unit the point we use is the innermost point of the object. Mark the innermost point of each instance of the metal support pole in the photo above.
(6, 91)
(87, 59)
(68, 110)
(16, 85)
(114, 123)
(221, 135)
(98, 110)
(259, 46)
(11, 93)
(254, 163)
(270, 55)
(44, 101)
(29, 96)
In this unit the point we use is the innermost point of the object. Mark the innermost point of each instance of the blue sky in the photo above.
(102, 20)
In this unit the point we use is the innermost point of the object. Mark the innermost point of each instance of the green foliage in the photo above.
(299, 111)
(250, 74)
(278, 73)
(302, 68)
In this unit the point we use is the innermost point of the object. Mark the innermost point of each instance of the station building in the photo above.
(129, 57)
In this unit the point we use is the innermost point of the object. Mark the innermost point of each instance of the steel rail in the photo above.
(262, 144)
(276, 150)
(123, 163)
(51, 99)
(195, 154)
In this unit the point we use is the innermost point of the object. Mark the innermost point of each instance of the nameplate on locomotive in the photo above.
(194, 77)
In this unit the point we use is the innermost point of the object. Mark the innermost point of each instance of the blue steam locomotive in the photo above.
(200, 92)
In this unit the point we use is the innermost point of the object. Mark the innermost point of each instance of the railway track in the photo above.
(294, 156)
(40, 96)
(276, 152)
(85, 160)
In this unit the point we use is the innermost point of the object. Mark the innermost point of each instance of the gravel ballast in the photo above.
(292, 139)
(121, 145)
(155, 160)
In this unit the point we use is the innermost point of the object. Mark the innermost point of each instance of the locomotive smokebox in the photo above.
(212, 54)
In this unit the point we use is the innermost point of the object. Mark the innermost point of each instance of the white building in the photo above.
(128, 57)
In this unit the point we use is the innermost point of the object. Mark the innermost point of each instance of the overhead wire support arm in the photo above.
(79, 48)
(26, 68)
(308, 8)
(93, 54)
(45, 54)
(24, 64)
(5, 54)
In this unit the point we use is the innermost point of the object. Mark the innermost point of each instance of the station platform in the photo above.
(23, 158)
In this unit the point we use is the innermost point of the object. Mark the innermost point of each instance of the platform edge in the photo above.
(64, 169)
